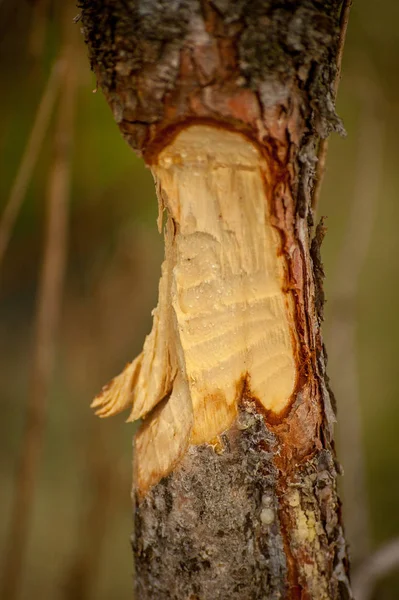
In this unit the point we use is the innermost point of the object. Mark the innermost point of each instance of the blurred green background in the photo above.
(79, 539)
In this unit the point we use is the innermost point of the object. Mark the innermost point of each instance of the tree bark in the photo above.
(235, 476)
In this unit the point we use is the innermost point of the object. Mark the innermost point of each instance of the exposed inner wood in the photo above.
(223, 315)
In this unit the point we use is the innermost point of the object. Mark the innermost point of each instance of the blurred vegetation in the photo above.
(79, 543)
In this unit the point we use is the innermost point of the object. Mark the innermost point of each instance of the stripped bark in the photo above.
(235, 479)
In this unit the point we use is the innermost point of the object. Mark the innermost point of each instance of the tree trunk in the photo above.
(235, 477)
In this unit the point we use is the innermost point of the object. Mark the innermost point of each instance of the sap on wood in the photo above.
(223, 315)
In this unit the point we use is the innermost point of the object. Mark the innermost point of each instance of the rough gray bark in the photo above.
(229, 517)
(216, 529)
(258, 517)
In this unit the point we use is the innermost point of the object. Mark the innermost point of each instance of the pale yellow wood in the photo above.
(117, 395)
(164, 436)
(223, 315)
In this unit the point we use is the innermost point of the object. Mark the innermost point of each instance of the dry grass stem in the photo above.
(343, 324)
(323, 145)
(48, 309)
(378, 565)
(29, 158)
(37, 36)
(344, 20)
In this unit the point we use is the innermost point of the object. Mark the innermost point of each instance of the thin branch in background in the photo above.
(341, 336)
(48, 309)
(29, 158)
(82, 573)
(323, 144)
(320, 170)
(90, 323)
(378, 565)
(37, 35)
(7, 16)
(343, 26)
(103, 483)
